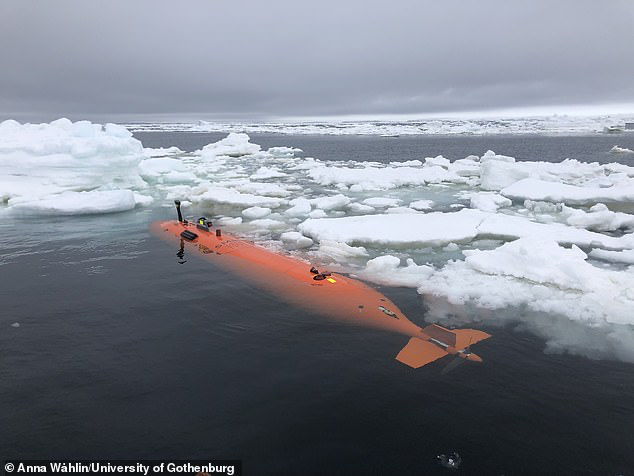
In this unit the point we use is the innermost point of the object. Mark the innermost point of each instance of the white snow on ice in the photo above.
(66, 168)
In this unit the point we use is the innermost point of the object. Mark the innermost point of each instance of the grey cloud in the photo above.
(262, 59)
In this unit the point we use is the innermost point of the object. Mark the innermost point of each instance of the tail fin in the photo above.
(457, 338)
(417, 353)
(466, 337)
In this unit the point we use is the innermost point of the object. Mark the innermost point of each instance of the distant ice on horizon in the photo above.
(546, 124)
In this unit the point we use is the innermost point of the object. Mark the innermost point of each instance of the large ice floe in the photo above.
(483, 238)
(69, 168)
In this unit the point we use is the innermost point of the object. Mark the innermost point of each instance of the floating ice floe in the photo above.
(387, 270)
(165, 170)
(422, 204)
(229, 221)
(234, 145)
(44, 166)
(330, 250)
(76, 203)
(267, 173)
(382, 177)
(161, 152)
(378, 202)
(208, 194)
(489, 201)
(300, 207)
(439, 229)
(621, 150)
(496, 174)
(624, 256)
(598, 218)
(256, 212)
(335, 202)
(295, 240)
(536, 189)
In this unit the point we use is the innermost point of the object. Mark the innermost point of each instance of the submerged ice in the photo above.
(485, 237)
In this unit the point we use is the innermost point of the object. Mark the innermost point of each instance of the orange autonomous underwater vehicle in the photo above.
(331, 294)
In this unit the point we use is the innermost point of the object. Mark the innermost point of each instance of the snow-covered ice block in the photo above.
(599, 218)
(401, 210)
(621, 150)
(510, 227)
(267, 224)
(283, 152)
(465, 167)
(46, 159)
(335, 202)
(495, 175)
(374, 177)
(161, 152)
(489, 201)
(75, 203)
(213, 194)
(397, 229)
(295, 240)
(234, 145)
(339, 252)
(167, 169)
(407, 163)
(263, 188)
(625, 256)
(536, 260)
(422, 204)
(300, 207)
(378, 202)
(386, 270)
(357, 207)
(256, 212)
(264, 173)
(489, 155)
(144, 200)
(439, 229)
(541, 190)
(538, 274)
(439, 161)
(318, 213)
(229, 221)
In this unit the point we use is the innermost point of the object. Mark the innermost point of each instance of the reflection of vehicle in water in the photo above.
(330, 294)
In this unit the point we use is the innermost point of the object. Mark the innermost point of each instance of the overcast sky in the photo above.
(264, 59)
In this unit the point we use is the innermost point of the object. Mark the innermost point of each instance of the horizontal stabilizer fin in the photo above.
(418, 352)
(441, 334)
(466, 337)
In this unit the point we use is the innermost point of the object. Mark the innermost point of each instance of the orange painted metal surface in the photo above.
(330, 294)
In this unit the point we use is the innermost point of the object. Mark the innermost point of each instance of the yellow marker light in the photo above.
(331, 280)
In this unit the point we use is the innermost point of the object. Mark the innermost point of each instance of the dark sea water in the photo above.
(122, 352)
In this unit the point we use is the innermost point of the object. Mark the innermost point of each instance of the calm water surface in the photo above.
(122, 352)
